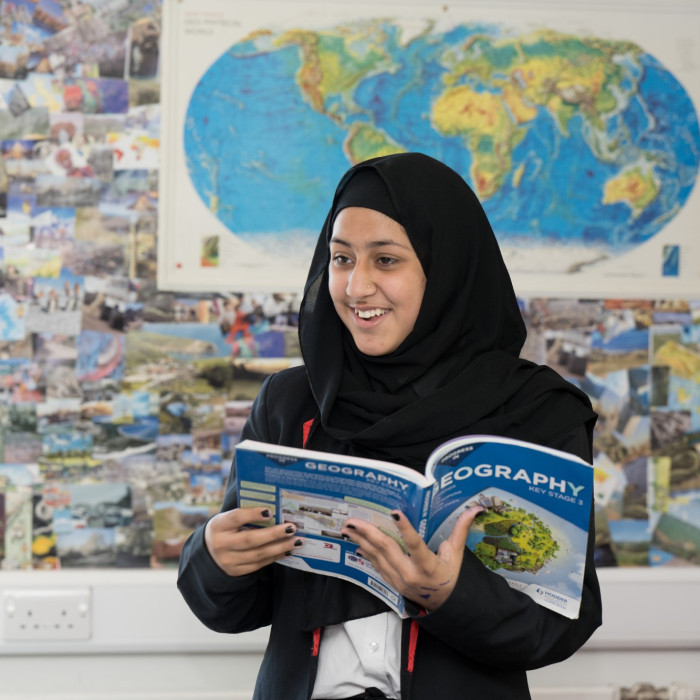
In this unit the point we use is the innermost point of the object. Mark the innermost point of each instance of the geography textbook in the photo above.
(533, 531)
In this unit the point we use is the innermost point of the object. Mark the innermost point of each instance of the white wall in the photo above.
(146, 645)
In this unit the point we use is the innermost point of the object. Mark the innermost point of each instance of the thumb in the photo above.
(458, 536)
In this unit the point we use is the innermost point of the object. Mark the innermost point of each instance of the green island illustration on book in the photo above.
(513, 539)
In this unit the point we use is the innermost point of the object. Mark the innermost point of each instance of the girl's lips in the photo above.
(368, 318)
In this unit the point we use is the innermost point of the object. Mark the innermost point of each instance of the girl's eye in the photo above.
(386, 260)
(340, 259)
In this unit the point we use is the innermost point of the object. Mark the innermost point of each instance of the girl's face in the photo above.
(375, 279)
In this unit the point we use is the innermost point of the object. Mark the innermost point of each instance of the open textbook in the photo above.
(533, 532)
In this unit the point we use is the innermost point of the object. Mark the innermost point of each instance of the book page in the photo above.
(537, 505)
(319, 492)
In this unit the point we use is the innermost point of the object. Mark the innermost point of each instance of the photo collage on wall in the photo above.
(639, 362)
(120, 403)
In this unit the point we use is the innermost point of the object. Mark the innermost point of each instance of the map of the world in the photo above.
(570, 141)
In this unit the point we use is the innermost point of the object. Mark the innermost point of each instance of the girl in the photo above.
(410, 333)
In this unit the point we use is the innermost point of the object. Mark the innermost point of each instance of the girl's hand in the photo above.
(238, 550)
(425, 577)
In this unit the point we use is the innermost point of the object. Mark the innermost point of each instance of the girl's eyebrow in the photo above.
(372, 244)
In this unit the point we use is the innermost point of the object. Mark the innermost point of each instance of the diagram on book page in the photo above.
(325, 516)
(521, 541)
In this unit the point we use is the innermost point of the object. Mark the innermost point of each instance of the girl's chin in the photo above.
(375, 346)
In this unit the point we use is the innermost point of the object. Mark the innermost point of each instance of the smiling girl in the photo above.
(410, 334)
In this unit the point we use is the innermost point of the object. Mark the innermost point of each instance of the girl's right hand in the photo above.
(238, 550)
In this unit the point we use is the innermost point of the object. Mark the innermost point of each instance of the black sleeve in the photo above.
(493, 624)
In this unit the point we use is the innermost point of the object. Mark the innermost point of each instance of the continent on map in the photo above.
(634, 187)
(516, 78)
(489, 134)
(333, 64)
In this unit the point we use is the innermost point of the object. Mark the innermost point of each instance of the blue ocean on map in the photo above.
(605, 158)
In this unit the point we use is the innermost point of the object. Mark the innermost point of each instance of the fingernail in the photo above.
(298, 543)
(290, 529)
(288, 554)
(351, 527)
(396, 516)
(266, 513)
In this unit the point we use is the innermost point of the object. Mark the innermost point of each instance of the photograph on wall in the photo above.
(601, 346)
(560, 121)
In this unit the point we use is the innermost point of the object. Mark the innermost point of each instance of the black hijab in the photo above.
(458, 372)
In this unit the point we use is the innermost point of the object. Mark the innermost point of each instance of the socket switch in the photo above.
(47, 614)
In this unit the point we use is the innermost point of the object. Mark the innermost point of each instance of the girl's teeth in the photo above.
(369, 313)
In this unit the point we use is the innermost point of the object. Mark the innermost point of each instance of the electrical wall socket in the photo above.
(47, 614)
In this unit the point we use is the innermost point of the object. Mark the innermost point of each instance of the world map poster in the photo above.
(577, 130)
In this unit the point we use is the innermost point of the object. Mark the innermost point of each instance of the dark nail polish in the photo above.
(288, 554)
(290, 529)
(298, 543)
(396, 516)
(266, 513)
(351, 527)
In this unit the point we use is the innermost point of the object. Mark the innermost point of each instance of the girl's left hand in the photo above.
(425, 577)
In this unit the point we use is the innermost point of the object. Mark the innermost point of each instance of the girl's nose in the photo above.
(360, 284)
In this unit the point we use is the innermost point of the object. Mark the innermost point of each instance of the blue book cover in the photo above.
(533, 531)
